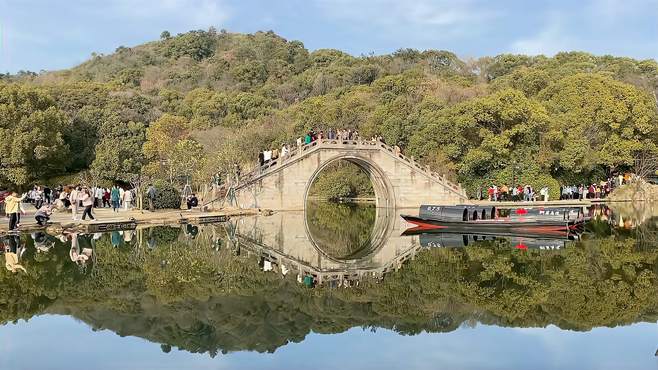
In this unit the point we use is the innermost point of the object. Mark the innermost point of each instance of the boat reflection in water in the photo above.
(438, 239)
(523, 228)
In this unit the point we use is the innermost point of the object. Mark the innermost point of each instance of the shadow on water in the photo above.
(258, 283)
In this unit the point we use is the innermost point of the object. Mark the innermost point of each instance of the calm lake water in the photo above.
(338, 286)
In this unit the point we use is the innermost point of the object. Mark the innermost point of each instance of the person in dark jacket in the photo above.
(192, 201)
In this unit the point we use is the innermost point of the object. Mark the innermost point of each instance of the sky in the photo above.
(61, 342)
(48, 35)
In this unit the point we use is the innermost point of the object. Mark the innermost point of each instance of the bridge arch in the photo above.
(398, 181)
(384, 205)
(384, 191)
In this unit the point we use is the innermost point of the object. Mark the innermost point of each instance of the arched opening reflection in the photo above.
(347, 211)
(343, 231)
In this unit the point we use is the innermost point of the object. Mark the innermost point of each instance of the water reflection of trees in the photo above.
(638, 221)
(340, 230)
(190, 295)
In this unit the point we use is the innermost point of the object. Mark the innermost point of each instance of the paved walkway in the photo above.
(64, 219)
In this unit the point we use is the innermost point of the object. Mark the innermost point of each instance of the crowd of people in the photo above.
(75, 198)
(598, 190)
(513, 193)
(265, 157)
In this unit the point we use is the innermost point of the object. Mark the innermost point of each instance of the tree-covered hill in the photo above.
(207, 99)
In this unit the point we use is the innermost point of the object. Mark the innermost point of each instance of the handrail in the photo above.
(303, 150)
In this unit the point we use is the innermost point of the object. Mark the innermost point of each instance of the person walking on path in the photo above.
(150, 194)
(114, 198)
(98, 195)
(106, 198)
(121, 192)
(75, 198)
(127, 200)
(38, 197)
(12, 208)
(88, 203)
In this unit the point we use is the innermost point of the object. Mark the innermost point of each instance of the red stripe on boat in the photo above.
(426, 226)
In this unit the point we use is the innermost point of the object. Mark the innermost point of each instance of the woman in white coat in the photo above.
(127, 200)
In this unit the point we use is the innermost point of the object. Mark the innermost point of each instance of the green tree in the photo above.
(598, 121)
(119, 154)
(31, 128)
(170, 151)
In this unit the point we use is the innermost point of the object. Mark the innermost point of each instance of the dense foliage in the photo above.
(342, 180)
(510, 118)
(166, 196)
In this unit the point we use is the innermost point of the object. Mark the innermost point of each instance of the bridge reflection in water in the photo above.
(353, 243)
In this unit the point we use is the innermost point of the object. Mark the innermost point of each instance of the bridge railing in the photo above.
(425, 169)
(302, 150)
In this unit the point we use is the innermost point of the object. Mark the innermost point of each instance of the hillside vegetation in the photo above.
(192, 105)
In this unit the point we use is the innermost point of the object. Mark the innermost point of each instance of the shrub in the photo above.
(166, 196)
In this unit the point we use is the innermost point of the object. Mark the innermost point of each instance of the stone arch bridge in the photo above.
(398, 181)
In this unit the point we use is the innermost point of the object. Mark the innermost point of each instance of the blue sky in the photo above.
(45, 34)
(51, 342)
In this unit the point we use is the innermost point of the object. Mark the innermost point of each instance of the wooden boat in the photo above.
(489, 220)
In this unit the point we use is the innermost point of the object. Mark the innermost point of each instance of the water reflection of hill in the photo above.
(187, 294)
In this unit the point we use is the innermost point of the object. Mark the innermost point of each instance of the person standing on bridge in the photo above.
(236, 170)
(308, 138)
(284, 151)
(261, 159)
